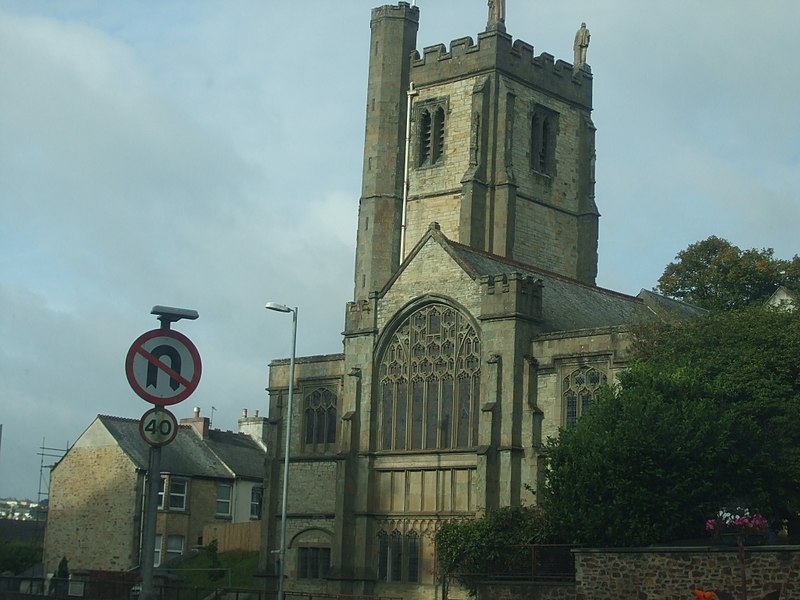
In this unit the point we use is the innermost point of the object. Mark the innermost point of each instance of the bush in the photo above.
(470, 550)
(16, 556)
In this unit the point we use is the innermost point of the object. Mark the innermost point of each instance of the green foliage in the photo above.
(217, 572)
(469, 549)
(708, 413)
(210, 569)
(62, 571)
(16, 556)
(715, 274)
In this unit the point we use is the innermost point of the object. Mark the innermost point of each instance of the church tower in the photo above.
(393, 40)
(476, 330)
(498, 148)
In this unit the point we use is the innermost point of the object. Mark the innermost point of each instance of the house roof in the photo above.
(242, 455)
(783, 297)
(222, 454)
(567, 304)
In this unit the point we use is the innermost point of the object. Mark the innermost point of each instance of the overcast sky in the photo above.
(207, 155)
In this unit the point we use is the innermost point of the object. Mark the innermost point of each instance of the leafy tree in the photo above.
(708, 415)
(16, 556)
(472, 548)
(715, 274)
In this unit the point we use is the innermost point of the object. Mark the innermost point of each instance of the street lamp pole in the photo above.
(282, 566)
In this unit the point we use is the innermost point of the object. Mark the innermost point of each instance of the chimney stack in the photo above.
(255, 427)
(198, 423)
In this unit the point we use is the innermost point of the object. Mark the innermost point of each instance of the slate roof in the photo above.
(661, 305)
(567, 304)
(238, 451)
(221, 455)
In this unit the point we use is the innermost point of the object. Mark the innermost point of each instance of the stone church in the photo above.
(476, 329)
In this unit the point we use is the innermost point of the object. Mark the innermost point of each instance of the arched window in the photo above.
(438, 135)
(581, 387)
(425, 137)
(412, 566)
(320, 419)
(543, 141)
(429, 382)
(313, 557)
(398, 556)
(431, 134)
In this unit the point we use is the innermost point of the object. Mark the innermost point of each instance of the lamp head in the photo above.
(169, 314)
(277, 307)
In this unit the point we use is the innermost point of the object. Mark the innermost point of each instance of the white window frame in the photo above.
(175, 540)
(225, 512)
(173, 495)
(157, 551)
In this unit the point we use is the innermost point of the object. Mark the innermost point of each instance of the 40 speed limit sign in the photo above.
(158, 426)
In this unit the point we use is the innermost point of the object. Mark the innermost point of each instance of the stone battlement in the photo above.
(511, 295)
(402, 10)
(496, 50)
(360, 317)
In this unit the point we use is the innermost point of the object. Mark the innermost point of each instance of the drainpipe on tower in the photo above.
(412, 91)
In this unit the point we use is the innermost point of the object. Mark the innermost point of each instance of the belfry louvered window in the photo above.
(544, 125)
(425, 137)
(429, 382)
(431, 125)
(580, 388)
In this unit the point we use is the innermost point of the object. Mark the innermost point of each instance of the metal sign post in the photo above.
(162, 384)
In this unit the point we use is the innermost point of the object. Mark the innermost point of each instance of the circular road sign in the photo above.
(163, 366)
(158, 426)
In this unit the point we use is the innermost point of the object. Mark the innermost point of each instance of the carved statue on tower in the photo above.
(497, 15)
(581, 45)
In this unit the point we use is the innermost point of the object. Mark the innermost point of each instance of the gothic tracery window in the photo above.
(429, 382)
(399, 556)
(319, 408)
(580, 388)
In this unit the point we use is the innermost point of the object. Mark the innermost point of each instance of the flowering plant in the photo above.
(737, 520)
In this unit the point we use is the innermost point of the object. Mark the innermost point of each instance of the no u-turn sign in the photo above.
(163, 366)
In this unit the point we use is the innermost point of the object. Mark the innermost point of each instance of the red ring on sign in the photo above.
(189, 385)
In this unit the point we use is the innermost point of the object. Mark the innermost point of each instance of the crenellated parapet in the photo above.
(359, 317)
(497, 51)
(511, 295)
(403, 10)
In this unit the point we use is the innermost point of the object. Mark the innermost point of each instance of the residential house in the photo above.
(783, 298)
(97, 490)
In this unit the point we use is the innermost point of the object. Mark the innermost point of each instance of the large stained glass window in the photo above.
(429, 382)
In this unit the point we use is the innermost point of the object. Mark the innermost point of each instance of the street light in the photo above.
(282, 567)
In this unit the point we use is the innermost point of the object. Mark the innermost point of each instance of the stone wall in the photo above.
(660, 574)
(94, 526)
(556, 590)
(668, 573)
